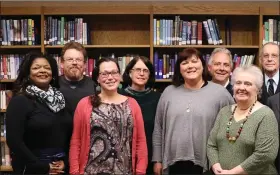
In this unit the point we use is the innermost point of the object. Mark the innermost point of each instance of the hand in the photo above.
(217, 169)
(56, 167)
(158, 168)
(59, 164)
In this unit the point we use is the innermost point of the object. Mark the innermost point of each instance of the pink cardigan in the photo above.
(80, 141)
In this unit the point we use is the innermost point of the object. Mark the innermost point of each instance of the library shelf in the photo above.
(103, 46)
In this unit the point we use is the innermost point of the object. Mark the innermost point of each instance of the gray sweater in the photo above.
(184, 119)
(256, 148)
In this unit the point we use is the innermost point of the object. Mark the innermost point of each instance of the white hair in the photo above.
(221, 50)
(252, 70)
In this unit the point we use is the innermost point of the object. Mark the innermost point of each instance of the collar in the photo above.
(226, 83)
(74, 84)
(137, 93)
(275, 78)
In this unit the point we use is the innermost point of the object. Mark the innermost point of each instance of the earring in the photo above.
(98, 88)
(53, 79)
(120, 86)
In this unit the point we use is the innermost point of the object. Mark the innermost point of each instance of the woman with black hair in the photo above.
(186, 112)
(35, 120)
(139, 79)
(108, 133)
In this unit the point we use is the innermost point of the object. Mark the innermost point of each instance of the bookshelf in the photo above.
(6, 168)
(128, 27)
(211, 46)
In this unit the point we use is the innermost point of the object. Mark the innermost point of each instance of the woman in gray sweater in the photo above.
(185, 115)
(245, 137)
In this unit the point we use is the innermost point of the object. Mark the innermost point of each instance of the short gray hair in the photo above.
(222, 50)
(268, 43)
(252, 70)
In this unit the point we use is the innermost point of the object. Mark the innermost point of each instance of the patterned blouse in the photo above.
(110, 140)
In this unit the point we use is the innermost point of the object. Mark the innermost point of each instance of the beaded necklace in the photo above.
(232, 139)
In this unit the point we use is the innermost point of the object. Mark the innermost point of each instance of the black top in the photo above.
(229, 87)
(73, 92)
(32, 126)
(148, 104)
(274, 103)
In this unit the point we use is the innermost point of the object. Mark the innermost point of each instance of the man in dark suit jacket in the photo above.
(269, 60)
(220, 65)
(274, 103)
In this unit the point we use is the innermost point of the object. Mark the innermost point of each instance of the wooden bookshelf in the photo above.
(7, 80)
(119, 25)
(20, 47)
(122, 26)
(163, 80)
(2, 139)
(127, 25)
(211, 46)
(103, 46)
(6, 168)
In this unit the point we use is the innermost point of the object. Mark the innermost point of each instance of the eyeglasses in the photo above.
(106, 74)
(273, 56)
(71, 60)
(139, 70)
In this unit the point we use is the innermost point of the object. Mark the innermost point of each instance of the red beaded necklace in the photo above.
(233, 139)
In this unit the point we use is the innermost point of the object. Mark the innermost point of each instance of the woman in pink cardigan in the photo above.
(108, 135)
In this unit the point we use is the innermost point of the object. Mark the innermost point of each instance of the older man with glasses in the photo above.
(269, 59)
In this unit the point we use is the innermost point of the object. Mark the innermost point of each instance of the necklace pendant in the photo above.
(232, 139)
(188, 110)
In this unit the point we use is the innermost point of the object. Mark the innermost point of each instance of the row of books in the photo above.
(59, 31)
(164, 64)
(9, 64)
(181, 32)
(18, 32)
(5, 151)
(5, 97)
(243, 60)
(271, 31)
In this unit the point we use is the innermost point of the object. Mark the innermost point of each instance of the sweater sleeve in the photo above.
(141, 144)
(17, 113)
(266, 145)
(75, 143)
(212, 147)
(158, 130)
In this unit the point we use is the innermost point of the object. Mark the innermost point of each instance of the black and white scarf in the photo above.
(52, 98)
